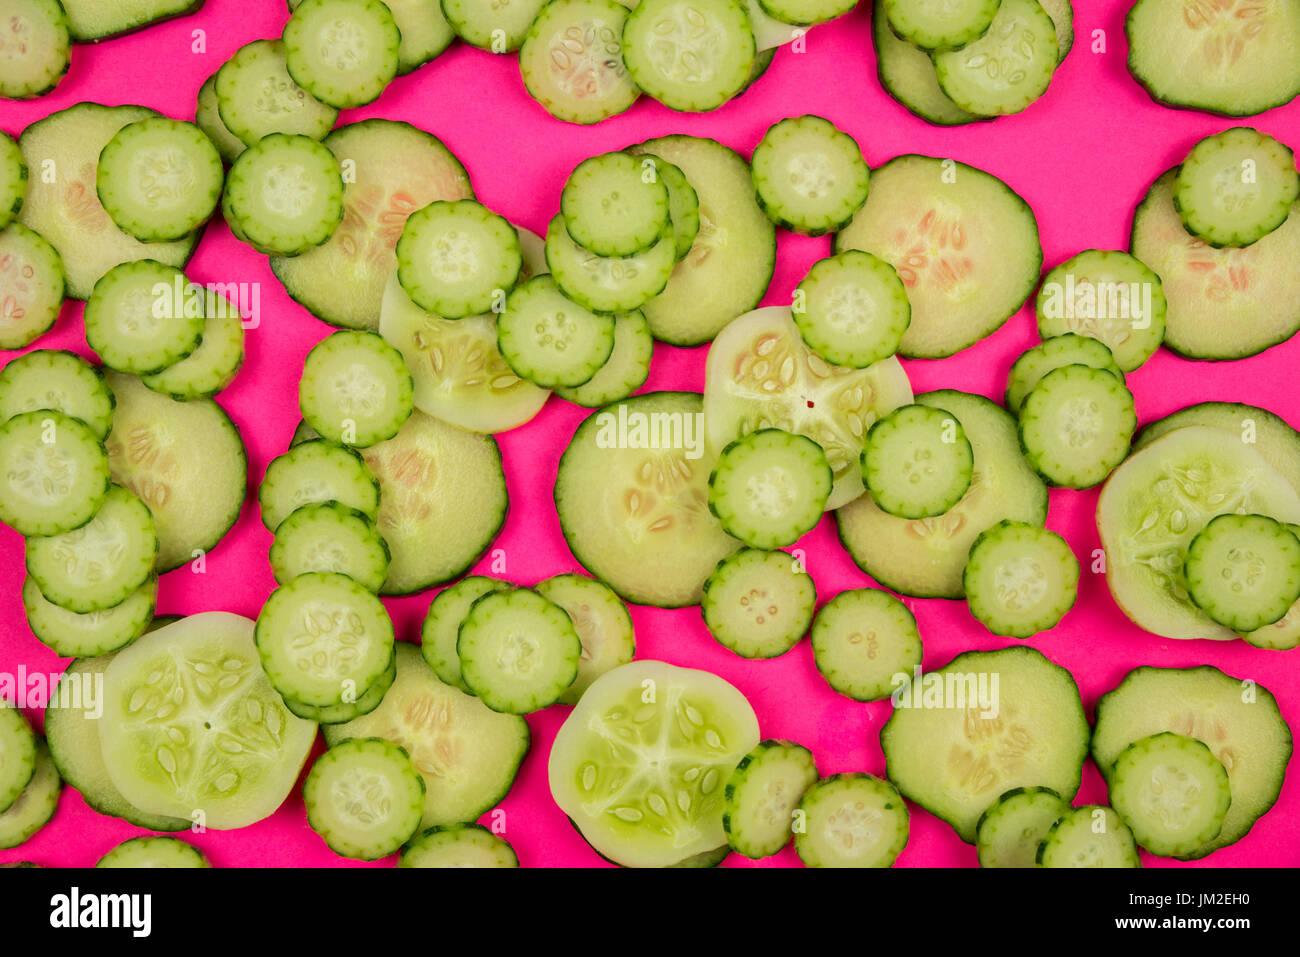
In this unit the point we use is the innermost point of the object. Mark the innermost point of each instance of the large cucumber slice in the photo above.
(925, 557)
(762, 375)
(963, 242)
(1019, 723)
(185, 460)
(637, 515)
(466, 753)
(192, 725)
(641, 764)
(1159, 500)
(1237, 720)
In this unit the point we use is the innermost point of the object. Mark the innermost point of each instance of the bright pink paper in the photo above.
(1082, 157)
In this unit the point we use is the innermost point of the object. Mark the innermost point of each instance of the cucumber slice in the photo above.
(925, 557)
(159, 179)
(806, 12)
(1235, 58)
(499, 27)
(809, 176)
(185, 460)
(343, 52)
(364, 798)
(572, 60)
(69, 634)
(32, 273)
(56, 473)
(458, 372)
(518, 651)
(13, 179)
(1243, 571)
(67, 214)
(348, 711)
(458, 845)
(611, 207)
(36, 50)
(907, 73)
(1089, 836)
(770, 488)
(256, 96)
(213, 365)
(1108, 296)
(1236, 187)
(955, 742)
(1238, 721)
(154, 852)
(603, 624)
(72, 731)
(641, 764)
(763, 796)
(312, 472)
(458, 259)
(37, 803)
(683, 206)
(957, 298)
(18, 754)
(863, 640)
(466, 753)
(917, 462)
(355, 389)
(1172, 792)
(608, 283)
(1076, 425)
(549, 339)
(1020, 579)
(852, 820)
(139, 319)
(626, 369)
(442, 501)
(207, 117)
(1008, 833)
(758, 603)
(634, 511)
(729, 266)
(191, 724)
(284, 195)
(1223, 303)
(57, 380)
(1022, 42)
(1156, 503)
(690, 56)
(100, 564)
(425, 32)
(1064, 350)
(323, 639)
(760, 374)
(935, 25)
(441, 628)
(396, 169)
(1272, 436)
(329, 537)
(91, 20)
(852, 309)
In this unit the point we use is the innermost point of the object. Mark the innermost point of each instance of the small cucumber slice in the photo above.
(572, 60)
(852, 820)
(343, 52)
(355, 389)
(32, 274)
(139, 318)
(806, 12)
(256, 96)
(1076, 425)
(917, 462)
(1243, 571)
(154, 852)
(603, 624)
(1010, 831)
(770, 488)
(57, 380)
(55, 473)
(72, 635)
(907, 73)
(1172, 792)
(863, 640)
(1020, 579)
(441, 628)
(852, 309)
(614, 204)
(458, 258)
(1089, 836)
(1236, 187)
(809, 176)
(763, 795)
(759, 603)
(1022, 42)
(1064, 350)
(641, 764)
(689, 55)
(37, 803)
(364, 798)
(458, 845)
(608, 283)
(316, 471)
(936, 25)
(626, 369)
(284, 195)
(549, 339)
(329, 537)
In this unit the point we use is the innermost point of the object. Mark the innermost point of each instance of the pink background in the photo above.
(1082, 157)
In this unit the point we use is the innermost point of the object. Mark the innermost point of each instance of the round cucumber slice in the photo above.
(154, 852)
(759, 604)
(1155, 504)
(364, 798)
(441, 628)
(770, 488)
(1020, 579)
(1010, 831)
(1244, 570)
(852, 820)
(1172, 792)
(1236, 187)
(917, 462)
(55, 473)
(355, 389)
(1008, 67)
(458, 845)
(1089, 836)
(192, 725)
(761, 374)
(642, 762)
(862, 640)
(37, 803)
(763, 795)
(58, 380)
(1068, 349)
(603, 624)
